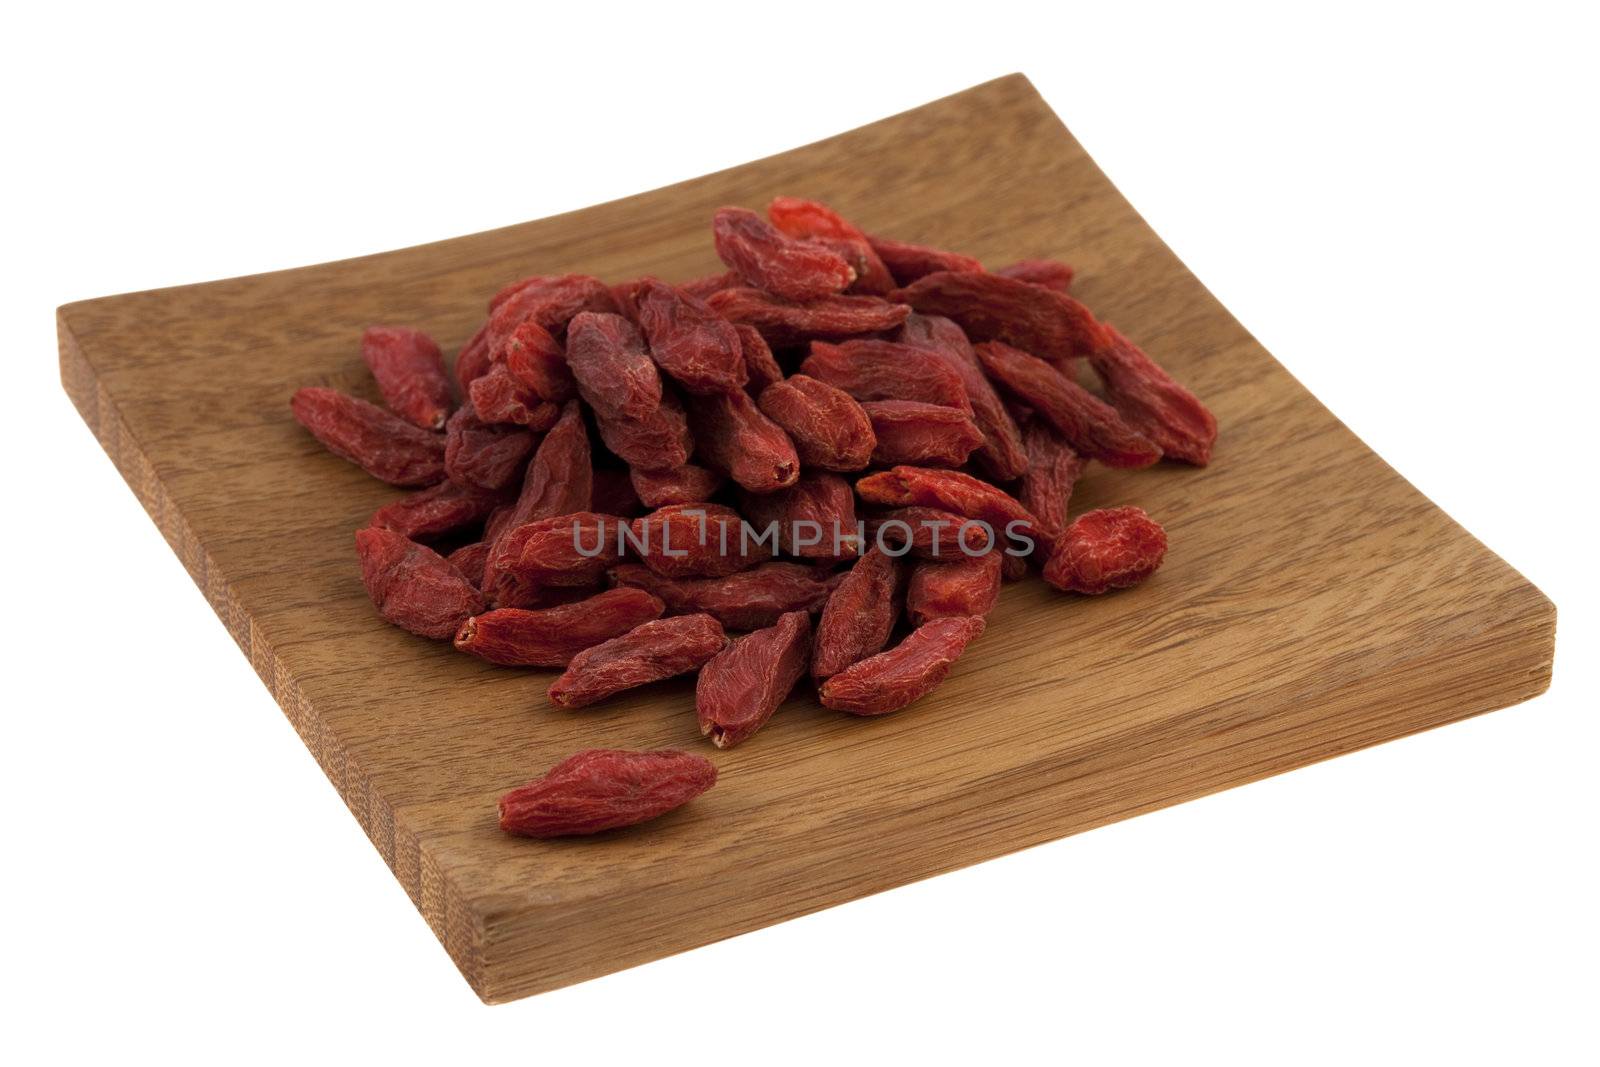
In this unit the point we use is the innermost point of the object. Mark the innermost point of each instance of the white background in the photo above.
(1398, 203)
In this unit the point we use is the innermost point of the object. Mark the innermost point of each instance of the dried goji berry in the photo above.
(956, 588)
(990, 307)
(687, 484)
(497, 397)
(413, 586)
(615, 374)
(1090, 425)
(536, 361)
(469, 560)
(910, 670)
(1001, 455)
(948, 490)
(692, 344)
(480, 456)
(659, 441)
(602, 789)
(551, 302)
(613, 493)
(740, 687)
(748, 600)
(859, 614)
(815, 518)
(736, 438)
(1050, 273)
(550, 637)
(433, 512)
(929, 533)
(384, 445)
(769, 260)
(409, 370)
(760, 367)
(560, 480)
(626, 295)
(565, 552)
(511, 289)
(807, 219)
(908, 262)
(707, 284)
(884, 370)
(1046, 489)
(826, 424)
(648, 653)
(473, 360)
(692, 541)
(1112, 548)
(923, 434)
(783, 322)
(1151, 402)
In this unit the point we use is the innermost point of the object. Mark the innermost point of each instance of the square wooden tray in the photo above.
(1313, 602)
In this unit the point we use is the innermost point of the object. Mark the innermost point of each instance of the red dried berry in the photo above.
(602, 789)
(958, 588)
(1053, 470)
(536, 361)
(911, 670)
(929, 533)
(1151, 402)
(433, 512)
(783, 322)
(650, 652)
(703, 286)
(692, 344)
(615, 374)
(560, 480)
(480, 456)
(949, 491)
(413, 586)
(908, 262)
(922, 434)
(990, 307)
(736, 438)
(497, 397)
(760, 366)
(687, 484)
(748, 600)
(692, 541)
(859, 614)
(550, 637)
(1112, 548)
(384, 445)
(884, 370)
(766, 259)
(473, 360)
(409, 370)
(741, 686)
(659, 441)
(1001, 455)
(564, 552)
(809, 220)
(469, 560)
(1090, 425)
(827, 426)
(550, 302)
(815, 518)
(1050, 273)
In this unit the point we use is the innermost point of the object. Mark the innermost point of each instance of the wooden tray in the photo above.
(1313, 601)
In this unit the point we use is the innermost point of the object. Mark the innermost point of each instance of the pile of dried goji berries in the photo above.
(840, 437)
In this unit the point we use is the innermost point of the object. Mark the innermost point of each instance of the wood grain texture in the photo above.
(1313, 602)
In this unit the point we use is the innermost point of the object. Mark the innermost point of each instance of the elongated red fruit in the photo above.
(650, 652)
(1050, 273)
(615, 374)
(688, 484)
(885, 370)
(409, 370)
(741, 686)
(809, 220)
(692, 344)
(827, 425)
(859, 615)
(760, 365)
(384, 445)
(956, 588)
(949, 491)
(1001, 455)
(413, 586)
(1046, 489)
(602, 789)
(908, 262)
(736, 438)
(1112, 548)
(550, 637)
(1150, 401)
(433, 512)
(747, 600)
(990, 307)
(693, 541)
(480, 456)
(769, 260)
(926, 435)
(906, 673)
(784, 322)
(815, 518)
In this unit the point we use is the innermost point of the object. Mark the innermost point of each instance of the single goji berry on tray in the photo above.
(990, 307)
(550, 302)
(469, 560)
(413, 586)
(767, 259)
(734, 437)
(615, 373)
(614, 494)
(436, 511)
(567, 551)
(1050, 273)
(1111, 548)
(809, 220)
(536, 361)
(693, 345)
(659, 441)
(550, 637)
(384, 445)
(688, 484)
(960, 587)
(760, 366)
(1150, 401)
(927, 435)
(929, 533)
(748, 600)
(1090, 425)
(815, 518)
(908, 262)
(1001, 455)
(603, 789)
(650, 652)
(826, 424)
(859, 614)
(478, 455)
(884, 370)
(498, 397)
(1046, 489)
(910, 670)
(948, 490)
(692, 541)
(409, 370)
(784, 322)
(740, 687)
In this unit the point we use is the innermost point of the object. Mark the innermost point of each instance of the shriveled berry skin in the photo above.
(990, 307)
(741, 686)
(748, 600)
(1150, 401)
(409, 370)
(826, 424)
(908, 262)
(707, 284)
(380, 443)
(784, 322)
(692, 541)
(926, 435)
(550, 637)
(480, 456)
(473, 359)
(602, 789)
(956, 588)
(1046, 489)
(564, 552)
(1111, 548)
(885, 370)
(760, 366)
(907, 672)
(1001, 455)
(535, 359)
(767, 259)
(859, 615)
(1050, 273)
(559, 481)
(615, 374)
(809, 220)
(659, 441)
(648, 653)
(436, 511)
(414, 587)
(469, 560)
(947, 490)
(1091, 426)
(497, 397)
(688, 484)
(815, 518)
(930, 533)
(550, 302)
(734, 437)
(693, 345)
